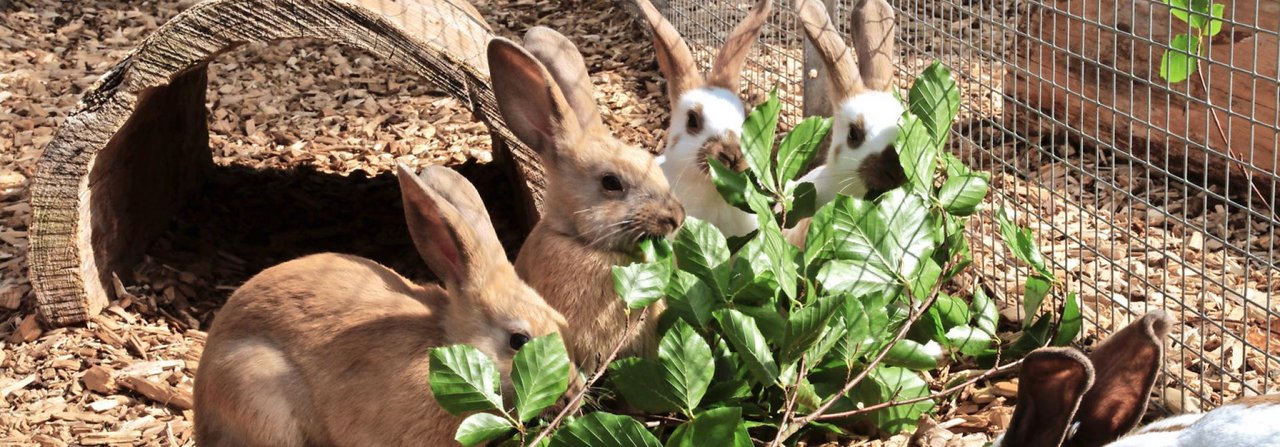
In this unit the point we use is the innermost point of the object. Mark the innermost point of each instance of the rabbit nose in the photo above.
(675, 219)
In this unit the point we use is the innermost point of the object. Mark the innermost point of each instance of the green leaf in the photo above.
(539, 374)
(1179, 62)
(1215, 24)
(655, 250)
(806, 325)
(855, 278)
(746, 339)
(1071, 323)
(891, 383)
(777, 256)
(968, 340)
(985, 314)
(600, 429)
(954, 311)
(639, 285)
(828, 236)
(701, 250)
(757, 140)
(690, 298)
(686, 364)
(731, 185)
(935, 99)
(1180, 9)
(463, 379)
(642, 384)
(911, 354)
(917, 152)
(961, 195)
(799, 147)
(711, 428)
(803, 203)
(1020, 241)
(1036, 289)
(865, 321)
(1034, 337)
(480, 428)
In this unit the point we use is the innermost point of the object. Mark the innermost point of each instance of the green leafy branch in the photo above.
(1204, 18)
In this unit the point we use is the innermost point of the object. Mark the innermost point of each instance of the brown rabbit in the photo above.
(333, 349)
(602, 197)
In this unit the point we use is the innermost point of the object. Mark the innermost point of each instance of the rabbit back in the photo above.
(339, 352)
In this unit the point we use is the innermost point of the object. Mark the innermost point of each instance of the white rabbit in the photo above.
(332, 349)
(861, 160)
(706, 116)
(1067, 399)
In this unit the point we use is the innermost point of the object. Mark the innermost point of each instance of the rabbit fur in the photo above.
(603, 195)
(333, 349)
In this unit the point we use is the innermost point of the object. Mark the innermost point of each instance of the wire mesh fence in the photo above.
(1144, 193)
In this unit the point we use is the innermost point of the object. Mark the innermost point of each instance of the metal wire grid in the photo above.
(1126, 201)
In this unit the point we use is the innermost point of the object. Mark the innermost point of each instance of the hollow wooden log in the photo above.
(122, 163)
(1094, 67)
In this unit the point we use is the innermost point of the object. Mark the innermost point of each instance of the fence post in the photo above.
(816, 99)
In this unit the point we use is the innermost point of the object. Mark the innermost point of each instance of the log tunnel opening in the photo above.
(269, 198)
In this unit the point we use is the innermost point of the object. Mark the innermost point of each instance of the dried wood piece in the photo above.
(161, 393)
(28, 330)
(100, 379)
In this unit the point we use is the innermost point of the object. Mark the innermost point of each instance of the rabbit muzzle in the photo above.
(724, 148)
(882, 172)
(659, 217)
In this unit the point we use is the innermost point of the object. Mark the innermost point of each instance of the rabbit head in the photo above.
(490, 308)
(861, 159)
(706, 115)
(604, 192)
(1067, 399)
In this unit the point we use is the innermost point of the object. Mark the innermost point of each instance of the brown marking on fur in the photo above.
(857, 132)
(882, 171)
(694, 117)
(726, 149)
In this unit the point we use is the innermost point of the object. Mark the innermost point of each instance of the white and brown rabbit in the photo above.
(603, 195)
(706, 116)
(332, 349)
(861, 158)
(1067, 399)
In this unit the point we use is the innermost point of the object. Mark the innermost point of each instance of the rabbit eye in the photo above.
(611, 182)
(694, 123)
(856, 135)
(518, 341)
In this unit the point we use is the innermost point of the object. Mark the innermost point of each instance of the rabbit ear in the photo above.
(443, 235)
(874, 27)
(562, 59)
(726, 72)
(530, 101)
(462, 195)
(842, 71)
(1127, 364)
(675, 60)
(1050, 386)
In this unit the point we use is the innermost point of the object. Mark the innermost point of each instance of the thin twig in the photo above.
(988, 374)
(789, 407)
(573, 403)
(1231, 153)
(787, 430)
